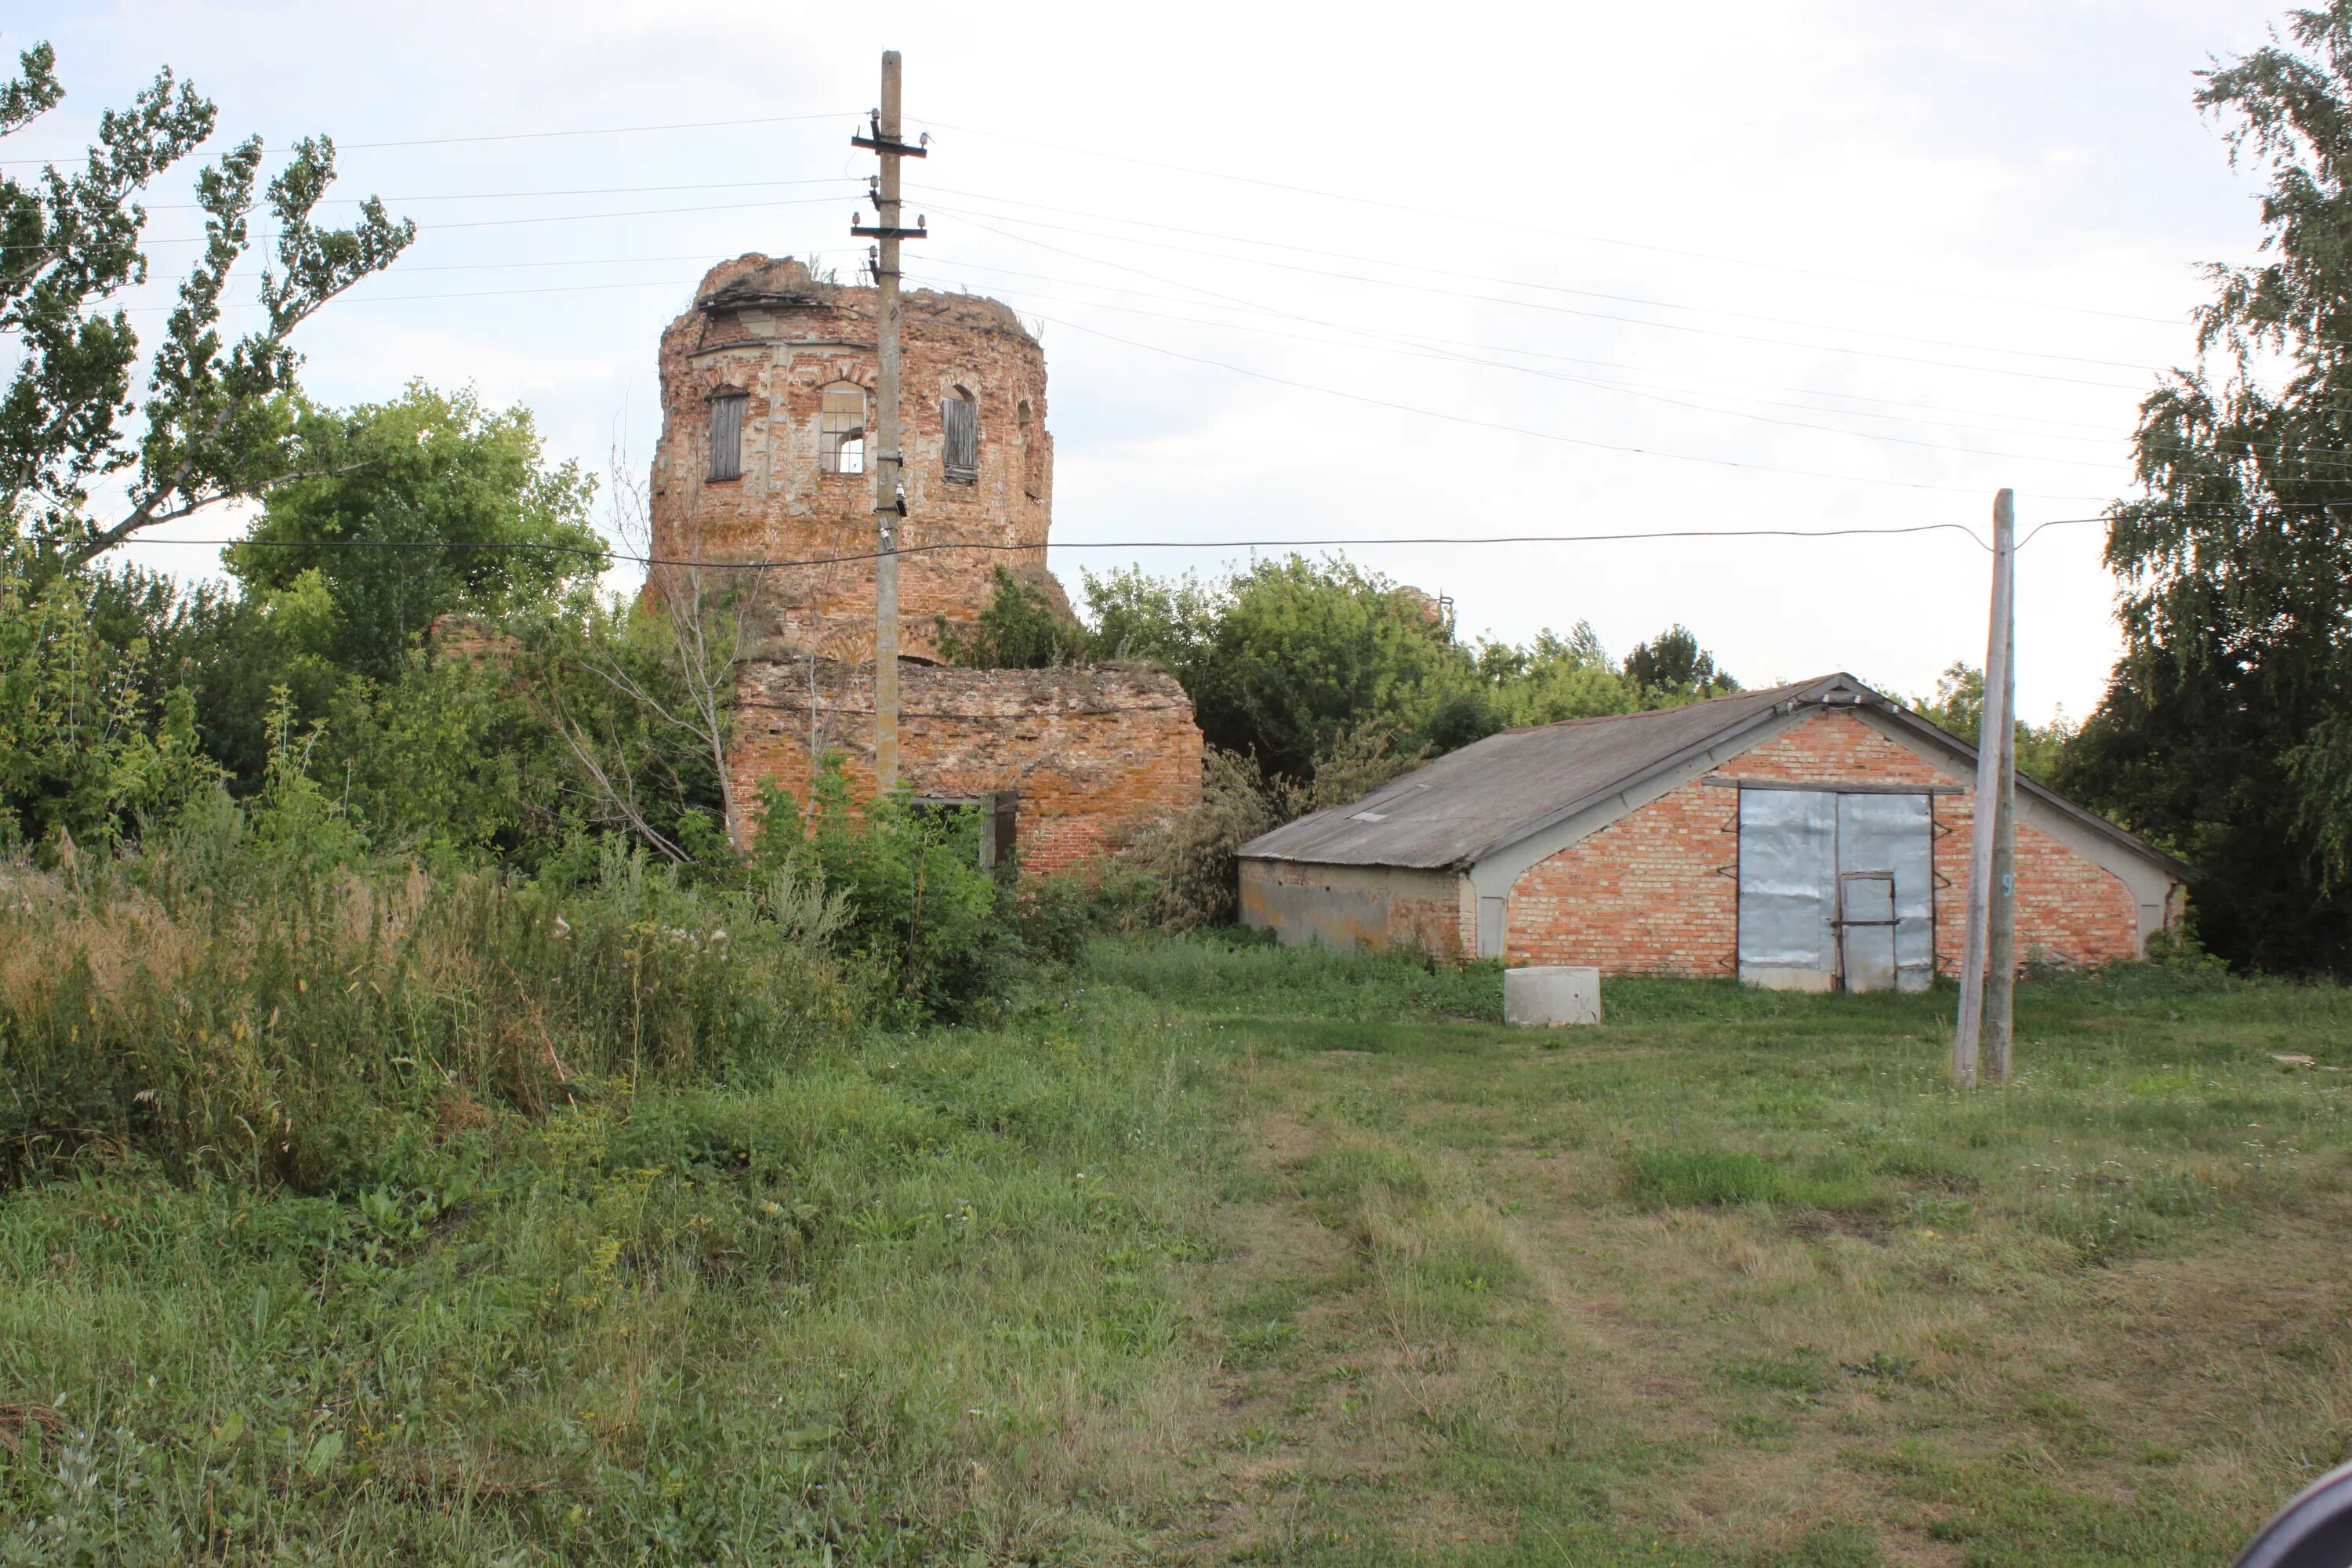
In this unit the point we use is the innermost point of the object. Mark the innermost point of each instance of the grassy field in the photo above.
(1217, 1254)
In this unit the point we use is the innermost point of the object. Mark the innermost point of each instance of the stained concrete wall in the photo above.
(1359, 906)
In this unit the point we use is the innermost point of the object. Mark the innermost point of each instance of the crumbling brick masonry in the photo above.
(768, 387)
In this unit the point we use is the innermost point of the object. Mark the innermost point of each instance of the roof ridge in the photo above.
(1785, 690)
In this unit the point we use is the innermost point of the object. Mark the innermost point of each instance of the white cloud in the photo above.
(1920, 172)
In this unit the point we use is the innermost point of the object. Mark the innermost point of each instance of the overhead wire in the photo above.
(986, 545)
(1525, 283)
(1455, 358)
(1532, 434)
(977, 219)
(1410, 348)
(529, 135)
(1235, 302)
(1539, 228)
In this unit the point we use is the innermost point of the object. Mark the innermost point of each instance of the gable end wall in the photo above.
(1655, 891)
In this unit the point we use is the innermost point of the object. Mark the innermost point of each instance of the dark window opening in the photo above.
(998, 816)
(959, 436)
(727, 434)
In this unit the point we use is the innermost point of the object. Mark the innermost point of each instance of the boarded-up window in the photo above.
(727, 434)
(841, 431)
(959, 431)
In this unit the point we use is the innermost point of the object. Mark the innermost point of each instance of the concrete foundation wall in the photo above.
(1359, 906)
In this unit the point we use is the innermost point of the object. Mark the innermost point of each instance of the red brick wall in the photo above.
(1090, 749)
(782, 344)
(1654, 892)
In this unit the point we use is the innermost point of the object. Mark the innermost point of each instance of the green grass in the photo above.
(1216, 1252)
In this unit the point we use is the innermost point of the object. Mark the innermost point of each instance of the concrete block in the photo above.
(1543, 995)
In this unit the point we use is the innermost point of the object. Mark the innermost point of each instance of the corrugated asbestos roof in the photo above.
(1469, 803)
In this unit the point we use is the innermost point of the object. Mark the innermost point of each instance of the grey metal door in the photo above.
(1885, 861)
(1866, 930)
(1788, 888)
(1835, 888)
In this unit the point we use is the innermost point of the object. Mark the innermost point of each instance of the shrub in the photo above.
(937, 930)
(237, 1000)
(1193, 854)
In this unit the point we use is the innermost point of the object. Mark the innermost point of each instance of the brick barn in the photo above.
(1813, 836)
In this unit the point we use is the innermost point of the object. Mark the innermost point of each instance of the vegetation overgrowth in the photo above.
(444, 1121)
(1213, 1250)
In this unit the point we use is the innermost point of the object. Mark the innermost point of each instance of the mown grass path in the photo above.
(1735, 1278)
(1214, 1253)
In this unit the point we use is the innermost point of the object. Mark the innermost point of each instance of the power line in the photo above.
(528, 135)
(1315, 544)
(1452, 358)
(1524, 283)
(532, 195)
(1366, 541)
(265, 239)
(976, 220)
(1555, 233)
(1237, 303)
(1411, 349)
(1522, 430)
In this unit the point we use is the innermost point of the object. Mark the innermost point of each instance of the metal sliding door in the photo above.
(1836, 889)
(1885, 861)
(1788, 888)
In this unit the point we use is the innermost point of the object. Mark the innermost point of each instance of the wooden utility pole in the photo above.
(889, 493)
(1990, 882)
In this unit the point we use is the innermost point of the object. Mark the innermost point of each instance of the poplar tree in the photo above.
(214, 423)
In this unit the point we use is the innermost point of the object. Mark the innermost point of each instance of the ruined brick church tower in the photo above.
(767, 385)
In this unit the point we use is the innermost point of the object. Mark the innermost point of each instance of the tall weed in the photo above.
(236, 999)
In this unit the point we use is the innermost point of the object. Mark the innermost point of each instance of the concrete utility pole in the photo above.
(1991, 909)
(2000, 918)
(889, 493)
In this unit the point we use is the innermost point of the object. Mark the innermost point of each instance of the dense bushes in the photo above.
(247, 997)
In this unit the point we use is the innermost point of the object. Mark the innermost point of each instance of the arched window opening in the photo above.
(841, 431)
(959, 436)
(727, 433)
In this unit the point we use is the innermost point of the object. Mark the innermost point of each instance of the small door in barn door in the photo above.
(1835, 888)
(1885, 861)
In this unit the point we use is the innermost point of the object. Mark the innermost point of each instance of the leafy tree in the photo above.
(1170, 621)
(1554, 677)
(1957, 707)
(427, 469)
(1304, 653)
(448, 759)
(2226, 730)
(1672, 666)
(84, 750)
(1021, 629)
(217, 420)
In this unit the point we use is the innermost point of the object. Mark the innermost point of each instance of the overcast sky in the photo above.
(1307, 271)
